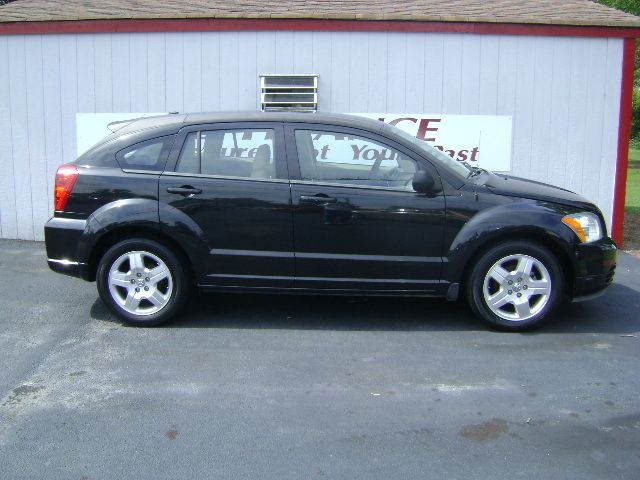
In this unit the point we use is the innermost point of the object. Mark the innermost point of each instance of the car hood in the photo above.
(523, 188)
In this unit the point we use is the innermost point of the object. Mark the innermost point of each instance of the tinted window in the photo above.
(340, 158)
(458, 167)
(189, 161)
(148, 155)
(230, 153)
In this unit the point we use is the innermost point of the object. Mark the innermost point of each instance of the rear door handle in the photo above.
(317, 199)
(185, 190)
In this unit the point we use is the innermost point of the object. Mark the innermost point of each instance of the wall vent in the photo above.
(289, 92)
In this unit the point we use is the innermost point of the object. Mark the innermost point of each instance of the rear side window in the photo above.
(148, 155)
(247, 153)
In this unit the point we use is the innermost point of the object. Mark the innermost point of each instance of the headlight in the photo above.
(585, 225)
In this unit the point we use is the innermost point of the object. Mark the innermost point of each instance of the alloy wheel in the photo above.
(140, 282)
(517, 287)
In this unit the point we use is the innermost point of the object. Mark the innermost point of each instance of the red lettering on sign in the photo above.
(403, 119)
(423, 128)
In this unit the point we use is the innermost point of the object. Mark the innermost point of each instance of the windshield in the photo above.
(432, 152)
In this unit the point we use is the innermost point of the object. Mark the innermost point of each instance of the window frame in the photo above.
(278, 153)
(294, 161)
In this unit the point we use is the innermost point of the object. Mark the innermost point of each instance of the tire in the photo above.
(129, 287)
(515, 286)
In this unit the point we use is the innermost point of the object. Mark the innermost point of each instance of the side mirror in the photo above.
(423, 182)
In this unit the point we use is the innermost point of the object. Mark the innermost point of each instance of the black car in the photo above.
(315, 203)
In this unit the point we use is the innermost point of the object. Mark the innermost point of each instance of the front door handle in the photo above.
(318, 199)
(186, 190)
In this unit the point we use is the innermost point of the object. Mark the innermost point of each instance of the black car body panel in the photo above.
(405, 229)
(525, 188)
(288, 233)
(62, 237)
(244, 225)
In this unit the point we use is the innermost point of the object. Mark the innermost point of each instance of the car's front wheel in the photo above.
(516, 285)
(142, 282)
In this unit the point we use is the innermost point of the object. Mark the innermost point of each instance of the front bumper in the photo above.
(595, 268)
(62, 237)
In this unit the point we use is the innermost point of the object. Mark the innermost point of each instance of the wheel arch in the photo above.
(532, 236)
(113, 236)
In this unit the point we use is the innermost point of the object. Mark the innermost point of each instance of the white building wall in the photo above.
(563, 94)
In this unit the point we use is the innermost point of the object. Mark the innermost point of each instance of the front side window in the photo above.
(459, 168)
(230, 153)
(148, 155)
(342, 158)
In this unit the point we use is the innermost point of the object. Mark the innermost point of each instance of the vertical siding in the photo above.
(578, 108)
(611, 114)
(174, 71)
(524, 105)
(339, 76)
(8, 207)
(563, 94)
(155, 82)
(470, 75)
(21, 137)
(489, 74)
(36, 182)
(121, 67)
(247, 72)
(210, 81)
(593, 140)
(192, 77)
(69, 95)
(396, 72)
(377, 77)
(138, 65)
(284, 51)
(452, 74)
(434, 73)
(415, 79)
(86, 59)
(228, 71)
(559, 111)
(507, 76)
(358, 74)
(102, 71)
(541, 133)
(52, 98)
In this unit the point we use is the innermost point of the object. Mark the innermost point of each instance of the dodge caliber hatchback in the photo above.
(315, 203)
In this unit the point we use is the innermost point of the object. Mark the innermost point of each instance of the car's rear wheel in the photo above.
(516, 285)
(142, 282)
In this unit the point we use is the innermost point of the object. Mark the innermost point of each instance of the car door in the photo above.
(231, 181)
(357, 222)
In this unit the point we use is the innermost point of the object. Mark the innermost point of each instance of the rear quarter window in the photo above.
(99, 156)
(150, 155)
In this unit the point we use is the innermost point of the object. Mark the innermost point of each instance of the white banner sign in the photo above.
(481, 140)
(92, 127)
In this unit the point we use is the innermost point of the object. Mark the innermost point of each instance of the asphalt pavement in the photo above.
(304, 387)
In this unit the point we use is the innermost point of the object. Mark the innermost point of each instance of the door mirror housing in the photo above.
(423, 182)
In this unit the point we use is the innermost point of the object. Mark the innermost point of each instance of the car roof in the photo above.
(180, 120)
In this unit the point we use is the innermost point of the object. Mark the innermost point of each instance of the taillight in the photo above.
(66, 177)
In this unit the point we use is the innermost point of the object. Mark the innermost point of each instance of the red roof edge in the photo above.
(238, 24)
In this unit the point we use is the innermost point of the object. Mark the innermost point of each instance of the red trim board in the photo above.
(239, 24)
(624, 135)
